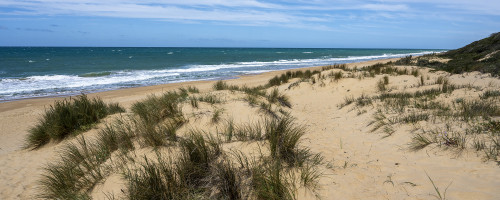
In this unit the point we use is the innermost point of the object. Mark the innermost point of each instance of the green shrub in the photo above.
(407, 60)
(472, 57)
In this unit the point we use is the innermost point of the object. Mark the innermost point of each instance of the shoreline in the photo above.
(111, 95)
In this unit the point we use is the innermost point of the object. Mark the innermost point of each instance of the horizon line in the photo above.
(229, 47)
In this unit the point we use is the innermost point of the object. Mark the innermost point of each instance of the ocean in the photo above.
(27, 72)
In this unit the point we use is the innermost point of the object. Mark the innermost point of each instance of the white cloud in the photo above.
(315, 14)
(479, 7)
(385, 7)
(219, 10)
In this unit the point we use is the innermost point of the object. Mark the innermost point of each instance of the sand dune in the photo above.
(359, 163)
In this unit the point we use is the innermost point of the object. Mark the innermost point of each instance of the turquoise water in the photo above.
(27, 72)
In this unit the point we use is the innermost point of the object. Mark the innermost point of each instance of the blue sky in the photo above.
(431, 24)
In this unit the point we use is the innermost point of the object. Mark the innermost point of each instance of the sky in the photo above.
(428, 24)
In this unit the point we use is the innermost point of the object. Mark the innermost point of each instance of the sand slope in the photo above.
(361, 164)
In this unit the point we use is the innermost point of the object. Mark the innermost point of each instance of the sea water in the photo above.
(27, 72)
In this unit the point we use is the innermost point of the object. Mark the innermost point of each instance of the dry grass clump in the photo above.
(436, 107)
(69, 117)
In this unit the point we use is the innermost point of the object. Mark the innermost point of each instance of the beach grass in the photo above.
(210, 98)
(69, 117)
(270, 182)
(198, 167)
(276, 97)
(157, 108)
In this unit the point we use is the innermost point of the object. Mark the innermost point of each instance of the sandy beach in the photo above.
(358, 163)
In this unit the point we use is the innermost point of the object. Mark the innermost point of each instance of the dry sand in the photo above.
(363, 165)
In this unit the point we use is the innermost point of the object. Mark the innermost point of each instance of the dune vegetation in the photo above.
(233, 141)
(69, 117)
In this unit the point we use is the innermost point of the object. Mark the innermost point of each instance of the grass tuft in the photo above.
(270, 182)
(194, 102)
(267, 109)
(381, 84)
(157, 108)
(490, 93)
(438, 193)
(420, 141)
(217, 116)
(284, 136)
(276, 97)
(69, 117)
(220, 85)
(210, 98)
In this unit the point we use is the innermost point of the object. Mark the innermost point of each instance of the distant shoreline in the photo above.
(50, 72)
(247, 79)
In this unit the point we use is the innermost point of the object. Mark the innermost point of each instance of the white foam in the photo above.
(281, 63)
(254, 72)
(52, 84)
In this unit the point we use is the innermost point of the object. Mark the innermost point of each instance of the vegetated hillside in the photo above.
(482, 55)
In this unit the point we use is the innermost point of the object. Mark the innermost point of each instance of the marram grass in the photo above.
(69, 117)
